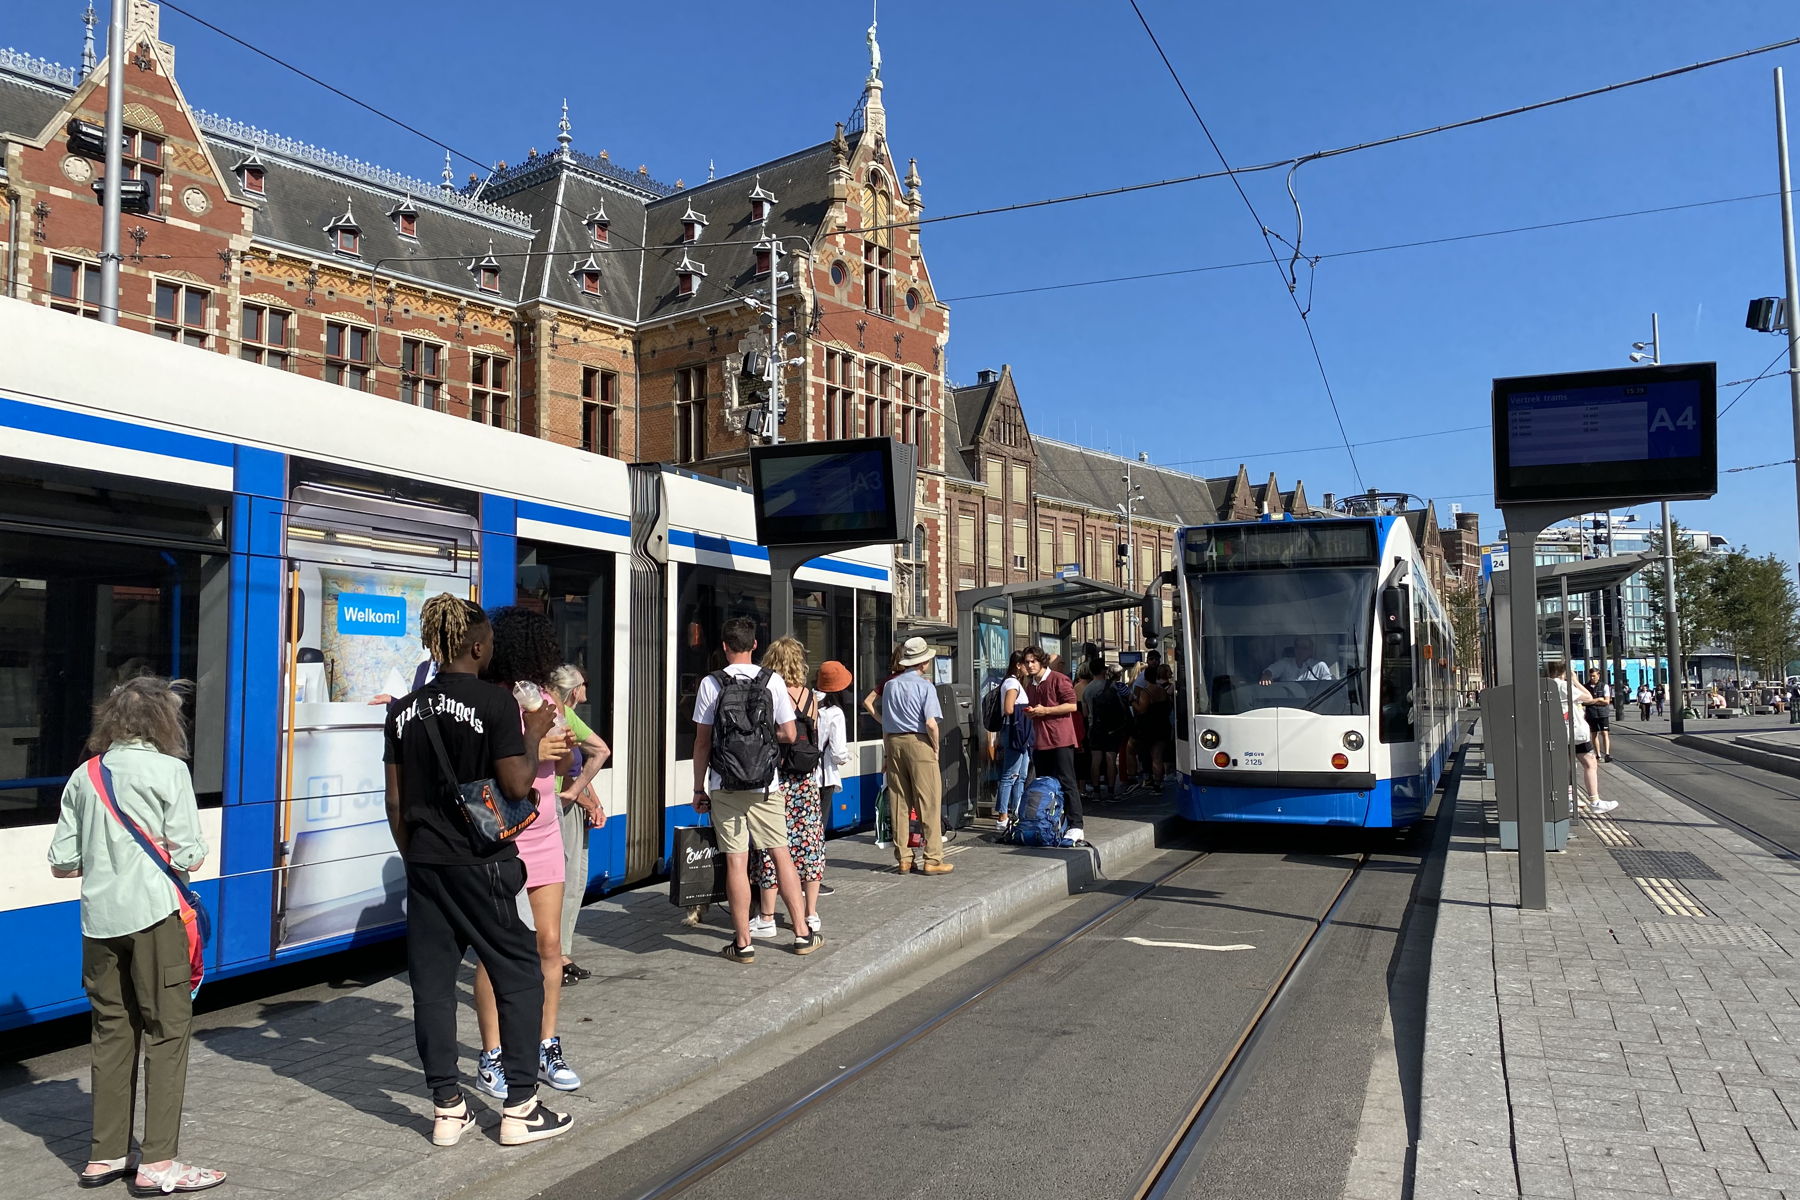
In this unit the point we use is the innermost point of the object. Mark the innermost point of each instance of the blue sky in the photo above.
(1008, 100)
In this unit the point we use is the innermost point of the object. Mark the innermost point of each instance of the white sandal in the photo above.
(176, 1177)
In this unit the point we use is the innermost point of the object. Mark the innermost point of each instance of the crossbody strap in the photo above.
(429, 721)
(101, 777)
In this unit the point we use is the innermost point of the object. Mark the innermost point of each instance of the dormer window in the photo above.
(762, 202)
(598, 226)
(688, 275)
(405, 218)
(487, 271)
(345, 233)
(587, 275)
(250, 175)
(691, 225)
(765, 257)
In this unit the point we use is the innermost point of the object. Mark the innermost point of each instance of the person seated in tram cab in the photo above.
(1298, 665)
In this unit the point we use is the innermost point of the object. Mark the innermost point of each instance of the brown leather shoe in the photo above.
(902, 868)
(932, 868)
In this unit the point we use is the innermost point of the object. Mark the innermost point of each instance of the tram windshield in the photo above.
(1283, 639)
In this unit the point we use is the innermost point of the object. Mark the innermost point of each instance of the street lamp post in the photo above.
(1793, 278)
(1651, 352)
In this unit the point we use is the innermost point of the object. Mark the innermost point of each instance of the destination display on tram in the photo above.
(1635, 433)
(1278, 544)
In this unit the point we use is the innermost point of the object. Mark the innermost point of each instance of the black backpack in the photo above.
(1110, 708)
(801, 756)
(743, 745)
(993, 714)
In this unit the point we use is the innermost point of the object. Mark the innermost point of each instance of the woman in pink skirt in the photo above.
(525, 655)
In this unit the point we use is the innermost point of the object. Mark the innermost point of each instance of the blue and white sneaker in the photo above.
(553, 1069)
(490, 1076)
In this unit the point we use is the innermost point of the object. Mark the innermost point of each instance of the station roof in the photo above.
(1585, 575)
(1062, 600)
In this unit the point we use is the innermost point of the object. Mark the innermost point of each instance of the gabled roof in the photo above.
(971, 403)
(31, 92)
(1093, 478)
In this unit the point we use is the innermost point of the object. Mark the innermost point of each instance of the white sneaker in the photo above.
(762, 927)
(812, 922)
(1074, 834)
(1603, 806)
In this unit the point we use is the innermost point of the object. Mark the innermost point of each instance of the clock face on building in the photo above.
(78, 170)
(195, 201)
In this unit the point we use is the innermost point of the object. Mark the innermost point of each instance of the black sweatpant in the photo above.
(448, 910)
(1060, 763)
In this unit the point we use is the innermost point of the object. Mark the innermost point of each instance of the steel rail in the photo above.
(741, 1143)
(1725, 766)
(1170, 1168)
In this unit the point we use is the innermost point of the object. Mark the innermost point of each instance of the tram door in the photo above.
(363, 553)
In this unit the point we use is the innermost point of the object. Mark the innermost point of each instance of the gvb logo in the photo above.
(371, 616)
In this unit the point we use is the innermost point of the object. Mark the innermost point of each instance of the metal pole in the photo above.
(1793, 283)
(1523, 525)
(1568, 710)
(115, 164)
(1677, 682)
(774, 425)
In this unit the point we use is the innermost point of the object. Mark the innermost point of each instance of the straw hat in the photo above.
(834, 676)
(914, 651)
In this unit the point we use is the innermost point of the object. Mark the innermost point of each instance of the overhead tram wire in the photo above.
(1100, 193)
(1262, 230)
(1761, 375)
(1439, 241)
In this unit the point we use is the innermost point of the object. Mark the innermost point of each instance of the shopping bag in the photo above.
(696, 868)
(884, 821)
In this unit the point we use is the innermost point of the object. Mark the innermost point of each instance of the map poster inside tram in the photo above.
(1607, 437)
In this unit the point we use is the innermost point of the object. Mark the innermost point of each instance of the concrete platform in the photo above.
(326, 1099)
(1639, 1038)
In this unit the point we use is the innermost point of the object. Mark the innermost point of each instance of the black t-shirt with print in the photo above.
(478, 723)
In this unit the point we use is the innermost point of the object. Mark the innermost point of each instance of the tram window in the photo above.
(574, 587)
(874, 651)
(708, 597)
(824, 621)
(1287, 639)
(79, 615)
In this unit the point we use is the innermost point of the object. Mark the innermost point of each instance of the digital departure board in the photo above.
(857, 491)
(1274, 545)
(1633, 434)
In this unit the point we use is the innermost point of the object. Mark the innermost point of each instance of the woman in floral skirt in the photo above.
(786, 657)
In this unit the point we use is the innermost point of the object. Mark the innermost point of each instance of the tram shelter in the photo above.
(986, 618)
(1558, 582)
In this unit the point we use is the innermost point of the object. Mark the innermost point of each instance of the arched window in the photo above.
(918, 543)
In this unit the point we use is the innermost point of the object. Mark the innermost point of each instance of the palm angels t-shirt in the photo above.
(479, 723)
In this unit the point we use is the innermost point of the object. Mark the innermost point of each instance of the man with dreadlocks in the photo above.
(457, 896)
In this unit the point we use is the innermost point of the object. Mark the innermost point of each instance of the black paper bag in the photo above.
(696, 869)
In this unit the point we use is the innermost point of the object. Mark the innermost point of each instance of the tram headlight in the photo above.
(1340, 761)
(1210, 739)
(1353, 740)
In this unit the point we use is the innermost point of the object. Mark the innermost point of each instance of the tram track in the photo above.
(1717, 766)
(1185, 1146)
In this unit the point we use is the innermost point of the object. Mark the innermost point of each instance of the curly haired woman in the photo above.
(786, 657)
(526, 651)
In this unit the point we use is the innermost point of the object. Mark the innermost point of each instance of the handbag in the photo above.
(697, 869)
(884, 821)
(196, 922)
(492, 820)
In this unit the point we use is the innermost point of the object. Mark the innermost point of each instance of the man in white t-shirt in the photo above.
(1298, 666)
(743, 814)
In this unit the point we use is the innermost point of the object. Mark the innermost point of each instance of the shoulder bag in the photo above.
(492, 820)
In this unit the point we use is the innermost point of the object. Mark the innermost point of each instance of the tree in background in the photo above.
(1464, 605)
(1755, 609)
(1695, 601)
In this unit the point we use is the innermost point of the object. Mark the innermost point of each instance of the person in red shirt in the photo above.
(1052, 712)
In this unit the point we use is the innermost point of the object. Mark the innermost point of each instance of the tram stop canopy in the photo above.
(985, 617)
(1555, 581)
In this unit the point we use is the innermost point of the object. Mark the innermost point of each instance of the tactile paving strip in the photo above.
(1664, 864)
(1670, 898)
(1608, 831)
(1746, 937)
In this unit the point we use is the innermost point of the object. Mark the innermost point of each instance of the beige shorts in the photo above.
(743, 817)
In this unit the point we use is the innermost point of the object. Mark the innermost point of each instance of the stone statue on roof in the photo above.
(874, 53)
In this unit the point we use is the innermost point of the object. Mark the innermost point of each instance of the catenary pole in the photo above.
(1793, 283)
(115, 164)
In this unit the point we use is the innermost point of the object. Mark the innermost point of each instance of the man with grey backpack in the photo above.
(741, 715)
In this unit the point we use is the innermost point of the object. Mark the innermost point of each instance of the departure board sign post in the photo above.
(1570, 444)
(819, 498)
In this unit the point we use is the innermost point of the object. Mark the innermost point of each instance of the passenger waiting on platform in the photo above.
(133, 941)
(797, 773)
(910, 735)
(1574, 697)
(452, 888)
(1599, 713)
(1645, 697)
(1052, 711)
(580, 808)
(1298, 665)
(835, 699)
(1011, 745)
(526, 652)
(1108, 722)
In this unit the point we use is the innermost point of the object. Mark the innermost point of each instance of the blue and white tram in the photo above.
(1317, 668)
(271, 538)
